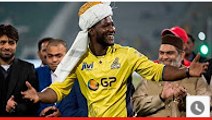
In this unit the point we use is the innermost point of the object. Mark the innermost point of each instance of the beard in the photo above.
(7, 58)
(177, 62)
(103, 41)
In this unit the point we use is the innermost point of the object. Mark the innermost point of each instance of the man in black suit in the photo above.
(13, 75)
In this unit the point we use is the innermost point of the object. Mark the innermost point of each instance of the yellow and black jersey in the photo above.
(103, 79)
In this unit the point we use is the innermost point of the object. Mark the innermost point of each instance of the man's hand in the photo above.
(179, 92)
(50, 111)
(11, 104)
(167, 91)
(172, 90)
(30, 94)
(196, 69)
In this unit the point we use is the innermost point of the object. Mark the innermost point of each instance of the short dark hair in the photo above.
(47, 39)
(191, 37)
(9, 31)
(55, 42)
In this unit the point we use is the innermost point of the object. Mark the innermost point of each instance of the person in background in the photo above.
(190, 54)
(208, 74)
(167, 99)
(181, 33)
(42, 49)
(189, 50)
(104, 68)
(55, 50)
(13, 75)
(72, 105)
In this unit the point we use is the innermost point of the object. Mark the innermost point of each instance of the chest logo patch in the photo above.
(87, 66)
(93, 85)
(116, 64)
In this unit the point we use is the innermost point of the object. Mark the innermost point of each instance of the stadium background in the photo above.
(138, 24)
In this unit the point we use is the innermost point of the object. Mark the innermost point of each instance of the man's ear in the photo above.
(90, 32)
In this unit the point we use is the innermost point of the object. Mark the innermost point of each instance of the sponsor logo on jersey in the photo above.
(116, 64)
(87, 66)
(106, 83)
(93, 85)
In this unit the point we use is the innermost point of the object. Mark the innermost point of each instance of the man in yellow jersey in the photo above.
(105, 68)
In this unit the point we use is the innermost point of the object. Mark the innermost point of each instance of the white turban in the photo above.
(90, 17)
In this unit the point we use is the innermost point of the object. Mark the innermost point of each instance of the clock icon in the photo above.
(197, 107)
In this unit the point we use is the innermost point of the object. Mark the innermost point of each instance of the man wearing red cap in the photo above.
(166, 99)
(181, 33)
(104, 68)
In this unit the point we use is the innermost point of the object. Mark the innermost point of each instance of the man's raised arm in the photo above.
(196, 69)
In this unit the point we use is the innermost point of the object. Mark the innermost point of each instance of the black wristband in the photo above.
(161, 98)
(187, 72)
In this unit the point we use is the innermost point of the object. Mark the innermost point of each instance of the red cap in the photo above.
(177, 31)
